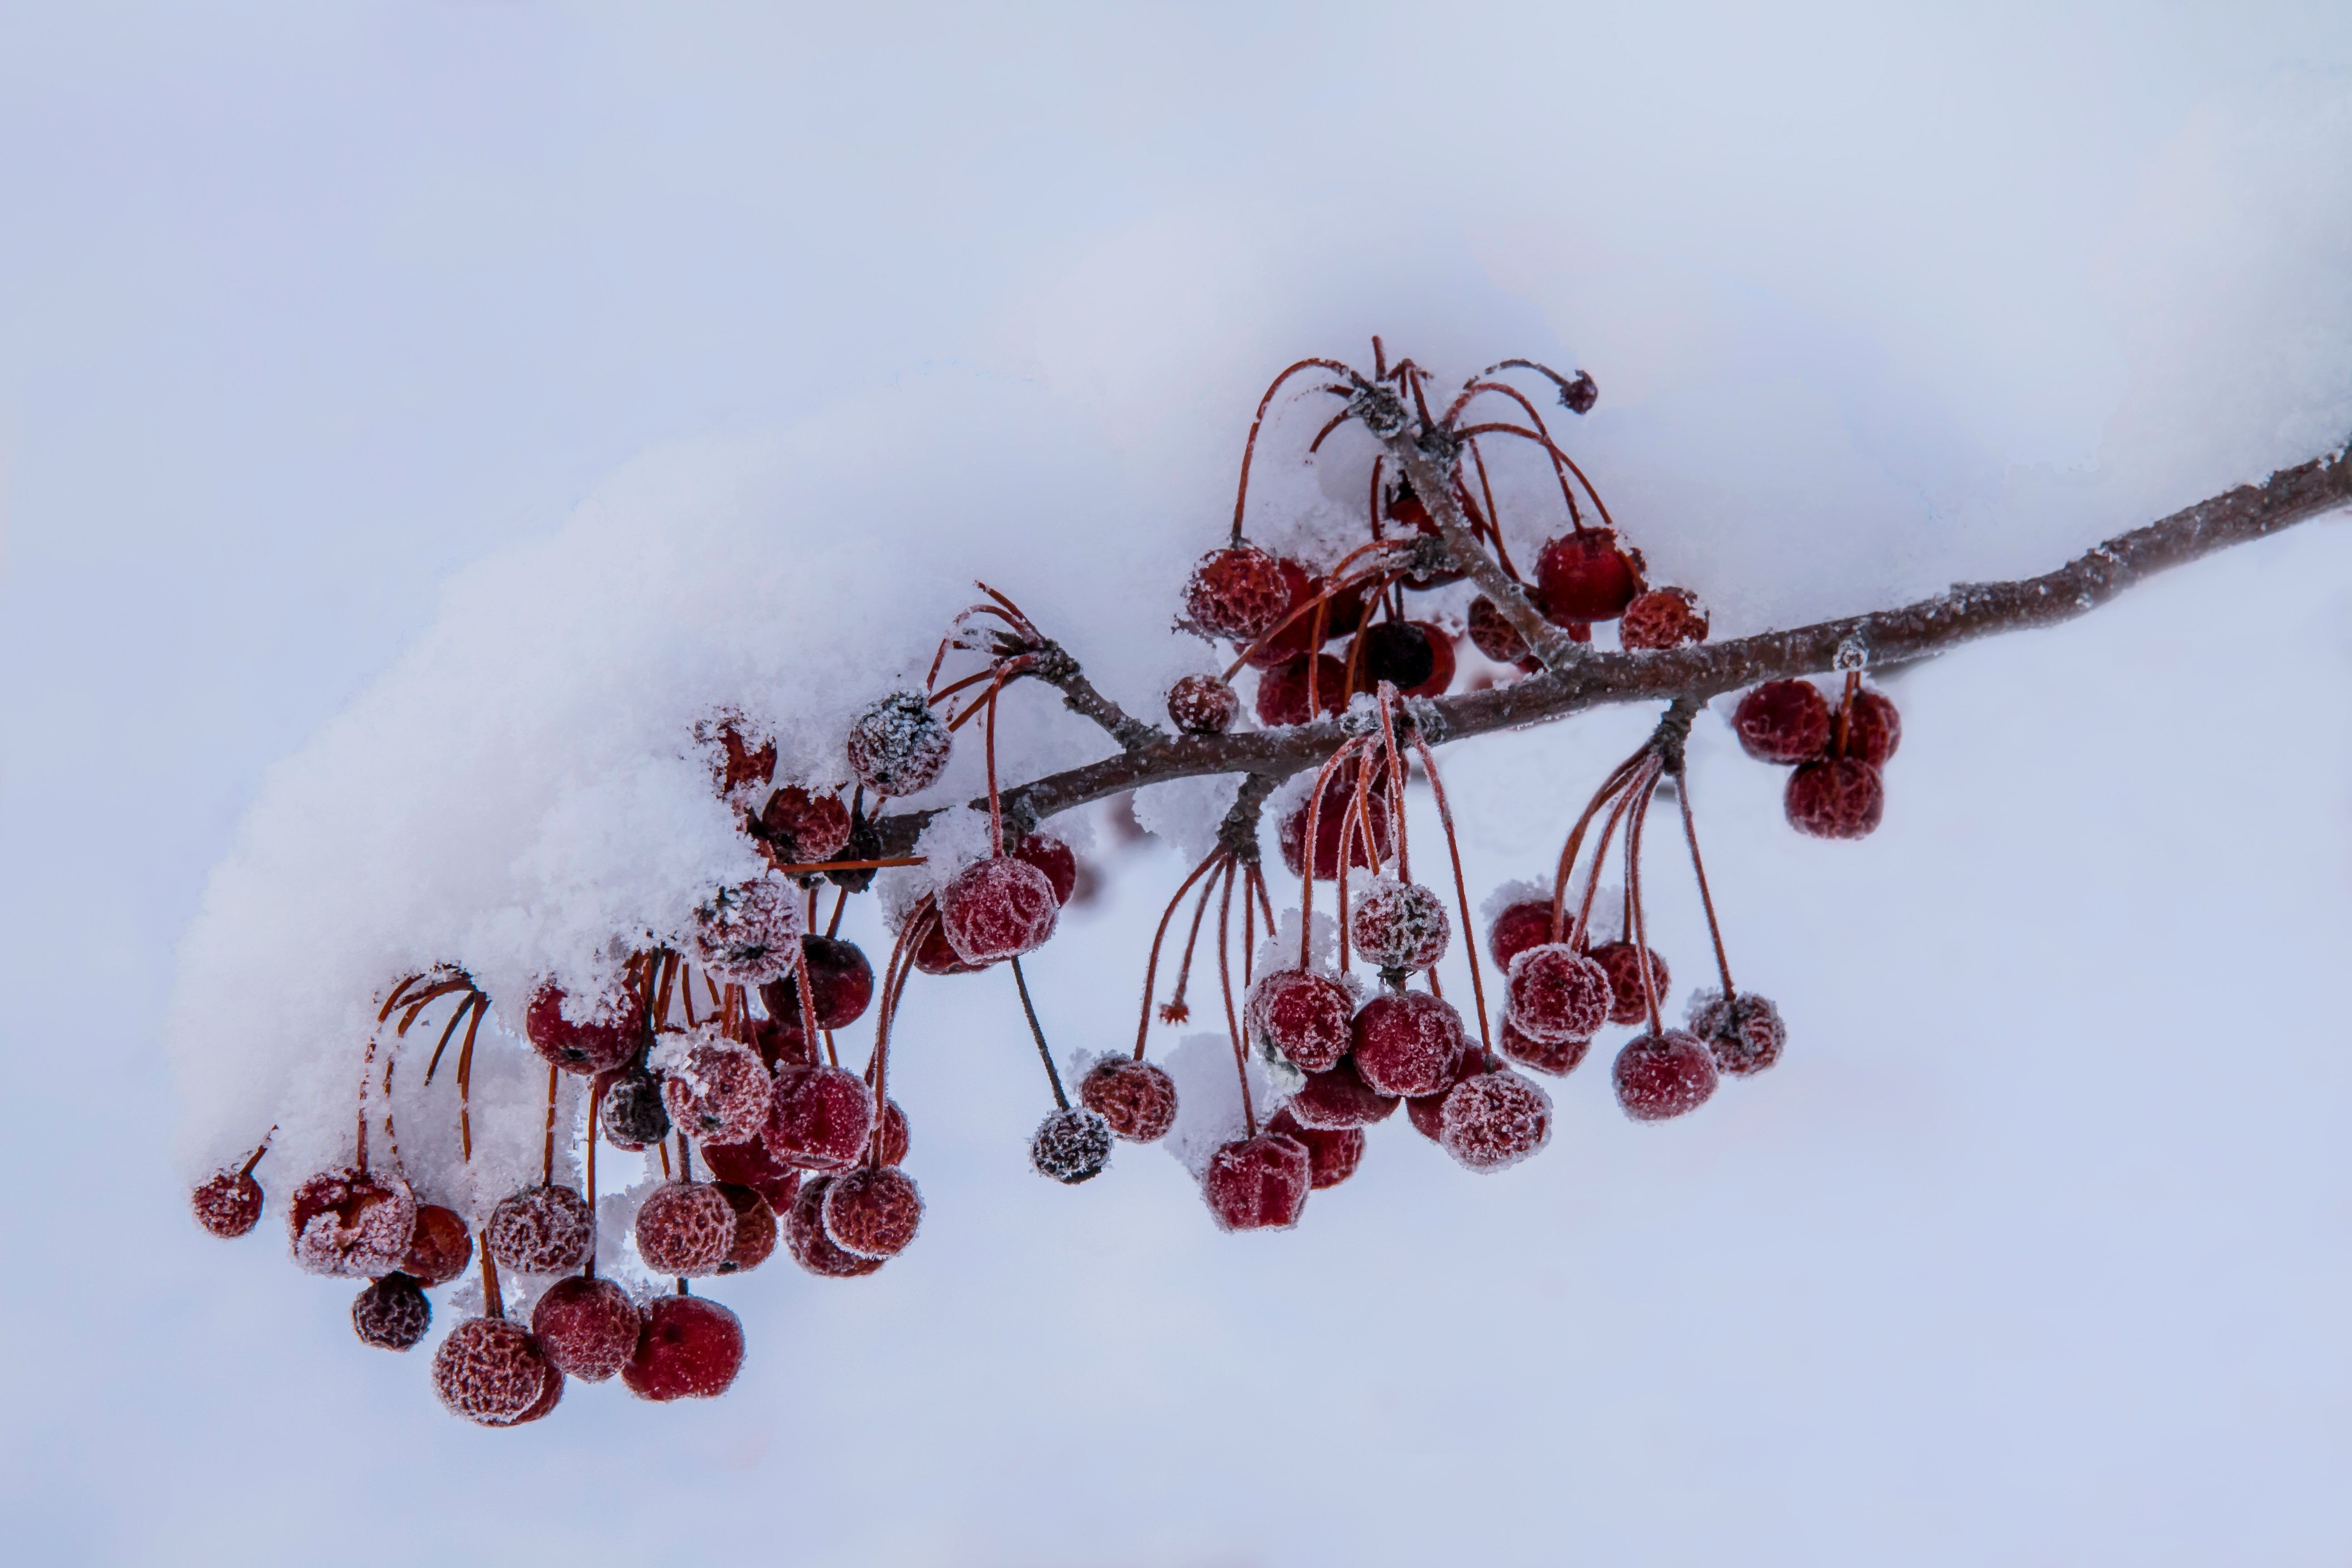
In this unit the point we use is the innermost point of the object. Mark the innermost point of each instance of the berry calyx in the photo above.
(1239, 594)
(1783, 721)
(1406, 1042)
(1332, 1153)
(602, 1042)
(228, 1204)
(1282, 697)
(1493, 1121)
(440, 1247)
(996, 907)
(1259, 1183)
(841, 984)
(1520, 927)
(1305, 1014)
(1071, 1146)
(686, 1228)
(745, 932)
(1203, 705)
(1400, 925)
(811, 1248)
(491, 1371)
(1663, 1076)
(1339, 1099)
(1557, 1057)
(819, 1117)
(1623, 961)
(1330, 822)
(1135, 1099)
(541, 1230)
(691, 1347)
(392, 1314)
(1584, 576)
(1557, 994)
(872, 1211)
(798, 829)
(634, 1115)
(755, 1226)
(1841, 797)
(1745, 1035)
(1055, 858)
(351, 1222)
(586, 1328)
(898, 745)
(714, 1087)
(1662, 618)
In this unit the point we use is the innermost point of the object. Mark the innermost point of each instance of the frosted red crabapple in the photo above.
(541, 1230)
(490, 1372)
(1585, 576)
(872, 1211)
(1282, 697)
(1745, 1035)
(1663, 1076)
(1783, 721)
(1339, 1097)
(1136, 1099)
(1557, 1057)
(802, 828)
(1055, 858)
(1332, 1153)
(1405, 1042)
(746, 932)
(749, 1164)
(1519, 927)
(898, 746)
(1073, 1145)
(755, 1226)
(714, 1087)
(691, 1347)
(1492, 634)
(1203, 705)
(997, 908)
(1339, 796)
(1259, 1183)
(603, 1042)
(228, 1204)
(1621, 961)
(841, 984)
(685, 1228)
(819, 1117)
(1838, 798)
(586, 1328)
(349, 1221)
(811, 1248)
(1240, 593)
(392, 1313)
(1492, 1120)
(1304, 1013)
(1662, 618)
(1400, 925)
(1874, 728)
(633, 1115)
(1557, 994)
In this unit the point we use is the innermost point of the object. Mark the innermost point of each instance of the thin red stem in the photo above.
(1151, 966)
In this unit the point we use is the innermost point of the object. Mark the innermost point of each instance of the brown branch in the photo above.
(1895, 636)
(1051, 663)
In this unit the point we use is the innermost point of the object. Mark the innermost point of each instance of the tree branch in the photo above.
(1902, 635)
(1051, 663)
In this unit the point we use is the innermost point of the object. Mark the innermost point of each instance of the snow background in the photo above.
(311, 324)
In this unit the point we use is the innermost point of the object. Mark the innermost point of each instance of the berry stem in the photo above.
(466, 1079)
(1175, 1012)
(1037, 1032)
(1461, 888)
(840, 903)
(1151, 965)
(1313, 850)
(1249, 447)
(808, 1000)
(1601, 797)
(254, 1158)
(1519, 397)
(1639, 932)
(1495, 516)
(1225, 975)
(684, 1158)
(995, 808)
(1705, 897)
(464, 1005)
(1845, 711)
(1600, 854)
(547, 1157)
(596, 1126)
(493, 1304)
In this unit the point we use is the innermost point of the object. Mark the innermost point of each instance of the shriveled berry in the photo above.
(1662, 1076)
(755, 1226)
(745, 932)
(1055, 858)
(749, 1164)
(586, 1328)
(691, 1347)
(392, 1314)
(685, 1228)
(1203, 705)
(841, 984)
(934, 954)
(1492, 634)
(440, 1247)
(605, 1038)
(351, 1222)
(1305, 1015)
(1071, 1146)
(1557, 1058)
(996, 907)
(1299, 587)
(1400, 925)
(1495, 1120)
(898, 745)
(1584, 576)
(541, 1230)
(1339, 1099)
(1332, 1154)
(1406, 1042)
(228, 1204)
(634, 1115)
(1628, 1004)
(714, 1087)
(491, 1371)
(1783, 722)
(1239, 594)
(1282, 697)
(1872, 728)
(872, 1211)
(1137, 1099)
(886, 1144)
(1662, 618)
(1745, 1034)
(1839, 798)
(741, 760)
(1259, 1183)
(805, 1239)
(1520, 927)
(1557, 994)
(800, 828)
(819, 1117)
(1330, 822)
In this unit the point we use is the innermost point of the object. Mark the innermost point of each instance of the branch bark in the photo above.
(1906, 635)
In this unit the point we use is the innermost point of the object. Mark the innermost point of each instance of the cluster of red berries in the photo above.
(1836, 787)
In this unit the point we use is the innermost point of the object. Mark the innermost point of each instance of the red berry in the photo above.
(1662, 618)
(634, 1115)
(1839, 798)
(440, 1247)
(1339, 1099)
(392, 1314)
(490, 1372)
(1783, 722)
(841, 984)
(1492, 634)
(1414, 657)
(1137, 1100)
(1259, 1183)
(1282, 697)
(1746, 1036)
(933, 955)
(803, 829)
(998, 908)
(1299, 587)
(887, 1145)
(541, 1230)
(350, 1222)
(1053, 858)
(550, 1394)
(228, 1205)
(1584, 576)
(737, 766)
(805, 1239)
(1493, 1121)
(1521, 926)
(1333, 1155)
(1872, 729)
(745, 934)
(749, 1164)
(1071, 1146)
(1203, 705)
(1557, 994)
(1305, 1015)
(608, 1036)
(586, 1328)
(1660, 1075)
(713, 1087)
(1239, 594)
(1557, 1058)
(1400, 925)
(1628, 1004)
(1406, 1042)
(686, 1228)
(1427, 1111)
(755, 1226)
(691, 1347)
(898, 745)
(1339, 799)
(819, 1117)
(872, 1211)
(780, 1039)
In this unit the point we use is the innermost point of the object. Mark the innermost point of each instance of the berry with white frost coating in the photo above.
(541, 1230)
(1305, 1014)
(1493, 1121)
(998, 908)
(634, 1115)
(587, 1328)
(898, 745)
(872, 1211)
(748, 933)
(1241, 594)
(1400, 925)
(1664, 1076)
(491, 1371)
(1746, 1036)
(811, 1248)
(1557, 994)
(392, 1314)
(1259, 1183)
(1629, 1002)
(1137, 1099)
(819, 1117)
(686, 1228)
(1406, 1042)
(1838, 797)
(351, 1222)
(1071, 1146)
(712, 1087)
(1203, 705)
(228, 1205)
(597, 1043)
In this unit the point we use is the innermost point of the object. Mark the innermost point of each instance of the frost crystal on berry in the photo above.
(541, 1230)
(1304, 1013)
(392, 1314)
(1557, 994)
(1495, 1120)
(1746, 1036)
(898, 745)
(350, 1222)
(872, 1211)
(1427, 1111)
(811, 1248)
(1203, 705)
(1137, 1099)
(599, 1043)
(1400, 925)
(1783, 722)
(1259, 1183)
(691, 1347)
(228, 1205)
(490, 1372)
(685, 1228)
(1339, 1099)
(1406, 1042)
(1239, 594)
(634, 1115)
(1000, 907)
(587, 1328)
(713, 1087)
(1629, 1003)
(1838, 798)
(1071, 1146)
(1663, 1076)
(819, 1117)
(440, 1246)
(1332, 1153)
(745, 934)
(755, 1226)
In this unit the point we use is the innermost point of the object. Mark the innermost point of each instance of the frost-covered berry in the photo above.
(1332, 1153)
(749, 1164)
(999, 906)
(898, 745)
(1338, 800)
(491, 1371)
(600, 1042)
(819, 1117)
(228, 1204)
(440, 1247)
(691, 1347)
(1055, 858)
(1259, 1183)
(714, 1087)
(351, 1222)
(1557, 1058)
(1427, 1111)
(1872, 729)
(755, 1226)
(1406, 1042)
(685, 1228)
(1339, 1099)
(800, 828)
(1520, 927)
(1282, 697)
(745, 932)
(1240, 593)
(1662, 618)
(805, 1239)
(1495, 1120)
(392, 1314)
(1783, 722)
(1746, 1036)
(1203, 705)
(1628, 1004)
(741, 759)
(1414, 657)
(587, 1328)
(1557, 994)
(1071, 1146)
(541, 1230)
(934, 954)
(1662, 1076)
(1400, 925)
(872, 1211)
(1837, 798)
(1305, 1015)
(634, 1115)
(886, 1144)
(1584, 576)
(1137, 1099)
(1492, 634)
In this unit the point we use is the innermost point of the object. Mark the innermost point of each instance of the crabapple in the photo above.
(606, 1039)
(1493, 1121)
(1331, 820)
(586, 1328)
(819, 1117)
(714, 1087)
(999, 906)
(228, 1204)
(349, 1221)
(755, 1226)
(1406, 1042)
(1662, 618)
(1259, 1183)
(1072, 1145)
(685, 1228)
(1339, 1097)
(1663, 1076)
(1557, 1058)
(392, 1314)
(1783, 722)
(1137, 1099)
(1629, 1003)
(1304, 1013)
(1332, 1153)
(1838, 797)
(805, 1239)
(1745, 1033)
(898, 746)
(1282, 697)
(1239, 594)
(1584, 576)
(690, 1348)
(491, 1371)
(440, 1246)
(1557, 994)
(872, 1211)
(1203, 705)
(541, 1230)
(1400, 925)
